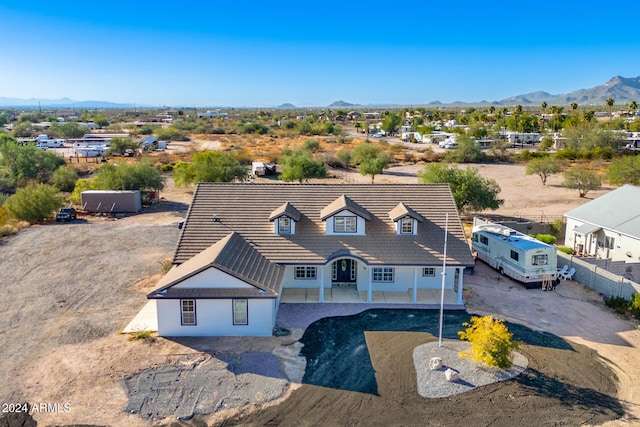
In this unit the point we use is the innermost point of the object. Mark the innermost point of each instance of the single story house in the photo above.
(241, 245)
(607, 227)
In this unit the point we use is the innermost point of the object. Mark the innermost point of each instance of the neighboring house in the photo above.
(243, 244)
(607, 227)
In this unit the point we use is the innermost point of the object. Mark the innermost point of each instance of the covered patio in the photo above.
(429, 297)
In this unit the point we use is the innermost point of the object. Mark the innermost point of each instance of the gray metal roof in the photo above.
(232, 255)
(247, 208)
(617, 210)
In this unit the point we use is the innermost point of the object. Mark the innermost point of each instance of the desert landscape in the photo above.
(62, 344)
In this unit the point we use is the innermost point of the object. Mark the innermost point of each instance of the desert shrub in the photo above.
(8, 230)
(565, 250)
(567, 154)
(166, 168)
(311, 145)
(491, 341)
(166, 266)
(557, 227)
(141, 335)
(344, 156)
(64, 178)
(546, 238)
(634, 306)
(619, 304)
(34, 203)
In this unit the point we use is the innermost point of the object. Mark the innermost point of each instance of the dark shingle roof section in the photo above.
(401, 210)
(232, 255)
(285, 209)
(246, 208)
(341, 203)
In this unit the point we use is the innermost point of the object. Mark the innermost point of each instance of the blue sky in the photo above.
(250, 54)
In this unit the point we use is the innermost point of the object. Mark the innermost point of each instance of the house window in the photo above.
(428, 272)
(284, 225)
(188, 311)
(515, 256)
(406, 225)
(484, 240)
(383, 274)
(540, 260)
(305, 273)
(344, 224)
(240, 315)
(610, 242)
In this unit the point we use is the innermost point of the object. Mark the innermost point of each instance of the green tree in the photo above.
(471, 192)
(209, 166)
(34, 203)
(546, 143)
(344, 156)
(24, 130)
(120, 145)
(68, 130)
(370, 159)
(624, 170)
(64, 178)
(169, 134)
(299, 166)
(581, 179)
(80, 186)
(123, 176)
(467, 151)
(633, 106)
(491, 341)
(23, 163)
(543, 167)
(391, 123)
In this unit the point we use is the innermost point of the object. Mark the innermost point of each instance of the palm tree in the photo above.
(574, 107)
(633, 106)
(609, 103)
(543, 107)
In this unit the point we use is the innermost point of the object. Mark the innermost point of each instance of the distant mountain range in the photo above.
(622, 89)
(59, 103)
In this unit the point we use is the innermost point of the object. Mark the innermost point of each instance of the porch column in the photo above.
(460, 274)
(369, 291)
(322, 284)
(414, 297)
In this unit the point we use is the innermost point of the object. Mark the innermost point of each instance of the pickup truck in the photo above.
(66, 214)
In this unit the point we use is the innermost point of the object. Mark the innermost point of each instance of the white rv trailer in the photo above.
(514, 254)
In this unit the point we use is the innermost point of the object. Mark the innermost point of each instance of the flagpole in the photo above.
(444, 269)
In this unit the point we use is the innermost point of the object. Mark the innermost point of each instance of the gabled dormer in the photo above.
(343, 216)
(284, 219)
(405, 219)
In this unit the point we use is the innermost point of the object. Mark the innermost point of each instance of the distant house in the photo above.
(607, 227)
(245, 245)
(216, 114)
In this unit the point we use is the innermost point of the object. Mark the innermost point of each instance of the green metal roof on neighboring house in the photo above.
(218, 209)
(617, 210)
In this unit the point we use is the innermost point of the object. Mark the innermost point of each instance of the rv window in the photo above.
(539, 260)
(475, 237)
(515, 255)
(484, 240)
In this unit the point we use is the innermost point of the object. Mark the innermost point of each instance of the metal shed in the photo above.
(111, 201)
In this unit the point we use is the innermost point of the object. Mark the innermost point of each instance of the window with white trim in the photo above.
(540, 259)
(284, 225)
(406, 225)
(609, 242)
(428, 271)
(188, 312)
(344, 224)
(240, 312)
(383, 274)
(305, 273)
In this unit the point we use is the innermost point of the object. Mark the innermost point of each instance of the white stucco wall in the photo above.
(214, 317)
(403, 278)
(212, 278)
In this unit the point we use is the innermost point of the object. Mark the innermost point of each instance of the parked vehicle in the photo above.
(43, 141)
(66, 214)
(514, 254)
